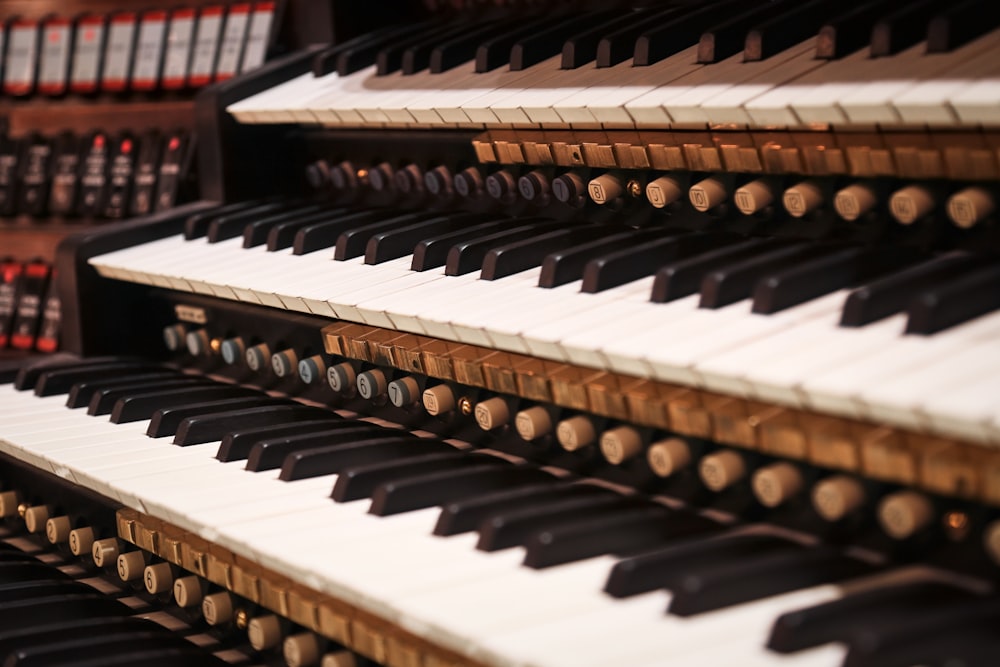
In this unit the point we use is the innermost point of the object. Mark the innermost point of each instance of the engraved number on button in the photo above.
(795, 203)
(364, 387)
(121, 568)
(149, 580)
(597, 193)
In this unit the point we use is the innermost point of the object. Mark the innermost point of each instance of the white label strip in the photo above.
(233, 37)
(258, 37)
(22, 56)
(85, 69)
(149, 51)
(54, 65)
(175, 64)
(118, 52)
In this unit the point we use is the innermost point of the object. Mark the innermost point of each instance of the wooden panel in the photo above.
(81, 116)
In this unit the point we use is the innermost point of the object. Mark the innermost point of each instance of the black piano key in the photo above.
(902, 29)
(705, 589)
(231, 225)
(624, 266)
(361, 481)
(271, 453)
(420, 56)
(286, 233)
(824, 275)
(618, 46)
(236, 444)
(959, 24)
(728, 38)
(401, 241)
(329, 460)
(81, 392)
(449, 54)
(208, 428)
(468, 255)
(12, 572)
(734, 282)
(255, 233)
(581, 48)
(16, 556)
(325, 62)
(352, 242)
(516, 526)
(363, 53)
(66, 651)
(852, 30)
(662, 568)
(11, 640)
(171, 657)
(495, 52)
(618, 533)
(28, 375)
(518, 256)
(27, 613)
(415, 493)
(678, 33)
(893, 293)
(432, 252)
(390, 57)
(961, 633)
(840, 619)
(957, 301)
(462, 516)
(320, 234)
(61, 381)
(683, 278)
(276, 231)
(549, 43)
(166, 421)
(566, 265)
(196, 226)
(27, 590)
(143, 404)
(776, 34)
(103, 401)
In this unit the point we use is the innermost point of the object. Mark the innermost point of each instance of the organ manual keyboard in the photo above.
(565, 335)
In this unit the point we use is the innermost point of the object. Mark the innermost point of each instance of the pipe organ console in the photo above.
(574, 334)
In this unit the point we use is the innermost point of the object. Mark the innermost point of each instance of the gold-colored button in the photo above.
(854, 201)
(264, 632)
(970, 206)
(911, 204)
(131, 565)
(838, 496)
(904, 514)
(158, 578)
(57, 529)
(9, 500)
(707, 194)
(666, 457)
(35, 518)
(341, 377)
(105, 552)
(284, 363)
(533, 423)
(187, 591)
(775, 484)
(575, 433)
(492, 413)
(620, 444)
(403, 391)
(439, 399)
(664, 191)
(301, 650)
(217, 608)
(802, 199)
(605, 188)
(721, 470)
(81, 540)
(339, 659)
(753, 197)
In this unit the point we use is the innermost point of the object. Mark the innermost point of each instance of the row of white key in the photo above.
(790, 88)
(785, 357)
(482, 604)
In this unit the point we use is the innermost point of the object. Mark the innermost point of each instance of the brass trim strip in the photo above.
(953, 154)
